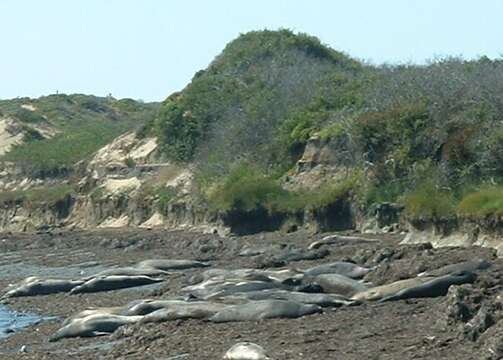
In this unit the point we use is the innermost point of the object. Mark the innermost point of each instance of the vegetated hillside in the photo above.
(57, 131)
(428, 136)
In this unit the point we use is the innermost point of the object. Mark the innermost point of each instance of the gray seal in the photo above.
(167, 264)
(129, 271)
(381, 291)
(347, 269)
(339, 240)
(433, 288)
(33, 286)
(246, 351)
(264, 309)
(337, 284)
(470, 265)
(219, 287)
(323, 300)
(113, 282)
(182, 311)
(93, 325)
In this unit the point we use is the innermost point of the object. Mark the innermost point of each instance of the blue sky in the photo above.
(146, 49)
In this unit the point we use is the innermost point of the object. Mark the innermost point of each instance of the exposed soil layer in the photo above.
(406, 329)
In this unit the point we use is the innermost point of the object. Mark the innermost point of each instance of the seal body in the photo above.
(130, 271)
(246, 351)
(323, 300)
(338, 284)
(113, 282)
(184, 310)
(469, 266)
(167, 264)
(379, 292)
(435, 287)
(344, 268)
(264, 309)
(32, 286)
(93, 325)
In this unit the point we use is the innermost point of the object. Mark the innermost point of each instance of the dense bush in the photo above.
(484, 202)
(37, 196)
(246, 188)
(234, 107)
(268, 92)
(429, 202)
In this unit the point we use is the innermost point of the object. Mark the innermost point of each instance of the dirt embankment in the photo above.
(435, 328)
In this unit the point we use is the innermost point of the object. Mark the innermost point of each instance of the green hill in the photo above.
(423, 135)
(80, 125)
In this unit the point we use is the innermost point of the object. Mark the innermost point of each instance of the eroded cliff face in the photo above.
(128, 184)
(321, 162)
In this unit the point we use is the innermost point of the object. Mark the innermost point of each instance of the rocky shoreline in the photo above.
(451, 326)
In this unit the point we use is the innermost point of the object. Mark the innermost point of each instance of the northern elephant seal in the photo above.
(218, 287)
(347, 269)
(249, 274)
(93, 325)
(113, 282)
(470, 265)
(338, 240)
(187, 310)
(264, 309)
(168, 264)
(434, 287)
(323, 300)
(337, 284)
(379, 292)
(130, 271)
(246, 351)
(33, 286)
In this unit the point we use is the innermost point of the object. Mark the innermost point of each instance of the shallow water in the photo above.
(11, 321)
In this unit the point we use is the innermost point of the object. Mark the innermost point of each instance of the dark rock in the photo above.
(482, 321)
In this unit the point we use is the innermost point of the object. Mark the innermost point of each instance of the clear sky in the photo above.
(146, 49)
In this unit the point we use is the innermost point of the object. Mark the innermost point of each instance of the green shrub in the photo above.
(429, 202)
(166, 196)
(48, 156)
(29, 116)
(486, 201)
(246, 188)
(37, 196)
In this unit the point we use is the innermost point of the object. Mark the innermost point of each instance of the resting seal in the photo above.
(337, 284)
(339, 240)
(382, 291)
(167, 264)
(347, 269)
(32, 286)
(184, 310)
(470, 266)
(323, 300)
(93, 325)
(433, 288)
(113, 282)
(218, 287)
(246, 351)
(264, 309)
(129, 271)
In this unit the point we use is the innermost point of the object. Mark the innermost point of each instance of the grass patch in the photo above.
(428, 202)
(43, 157)
(247, 189)
(484, 202)
(37, 196)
